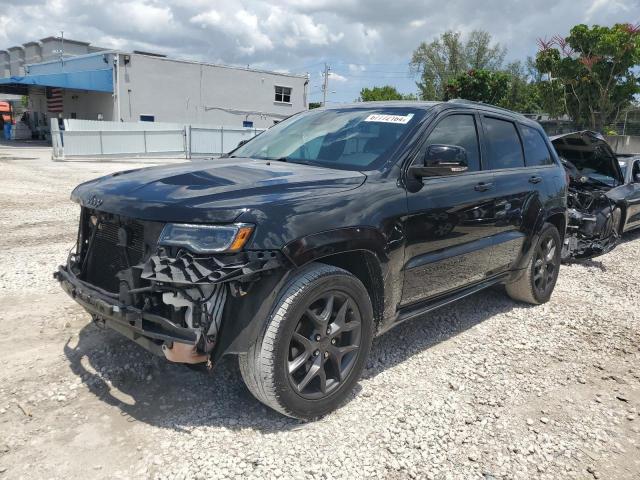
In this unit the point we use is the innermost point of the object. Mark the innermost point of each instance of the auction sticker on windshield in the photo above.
(380, 117)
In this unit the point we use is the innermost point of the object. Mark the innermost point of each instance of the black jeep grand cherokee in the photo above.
(331, 227)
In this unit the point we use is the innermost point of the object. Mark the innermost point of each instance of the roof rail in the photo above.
(482, 104)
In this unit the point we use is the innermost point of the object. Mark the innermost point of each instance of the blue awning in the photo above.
(94, 80)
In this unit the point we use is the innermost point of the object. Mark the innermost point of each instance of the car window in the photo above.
(505, 150)
(459, 130)
(536, 151)
(347, 138)
(636, 170)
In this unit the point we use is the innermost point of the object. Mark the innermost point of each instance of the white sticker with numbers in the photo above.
(381, 117)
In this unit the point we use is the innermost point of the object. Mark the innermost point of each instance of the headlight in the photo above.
(206, 238)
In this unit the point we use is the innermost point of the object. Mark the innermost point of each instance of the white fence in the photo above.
(216, 141)
(88, 138)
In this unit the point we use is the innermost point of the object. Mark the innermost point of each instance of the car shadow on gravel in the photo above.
(422, 333)
(149, 389)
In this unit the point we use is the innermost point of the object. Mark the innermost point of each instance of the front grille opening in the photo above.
(114, 244)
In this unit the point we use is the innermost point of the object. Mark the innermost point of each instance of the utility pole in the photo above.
(60, 51)
(62, 46)
(325, 84)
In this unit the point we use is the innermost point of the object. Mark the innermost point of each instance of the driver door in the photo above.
(450, 219)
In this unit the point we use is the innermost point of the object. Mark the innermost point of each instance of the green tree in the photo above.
(593, 71)
(480, 86)
(447, 57)
(383, 93)
(522, 94)
(480, 54)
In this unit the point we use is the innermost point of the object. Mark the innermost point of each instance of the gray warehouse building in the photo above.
(72, 79)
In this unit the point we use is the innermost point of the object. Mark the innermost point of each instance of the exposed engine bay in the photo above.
(174, 290)
(594, 217)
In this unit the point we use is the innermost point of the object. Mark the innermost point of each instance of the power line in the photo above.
(306, 67)
(367, 64)
(299, 69)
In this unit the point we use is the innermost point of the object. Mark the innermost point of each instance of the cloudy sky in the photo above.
(366, 42)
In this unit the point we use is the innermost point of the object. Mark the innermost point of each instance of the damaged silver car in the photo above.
(602, 204)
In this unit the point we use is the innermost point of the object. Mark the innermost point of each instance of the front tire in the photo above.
(537, 282)
(314, 345)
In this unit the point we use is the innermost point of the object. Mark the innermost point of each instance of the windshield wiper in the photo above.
(288, 160)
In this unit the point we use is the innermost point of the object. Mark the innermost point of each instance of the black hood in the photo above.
(587, 151)
(217, 190)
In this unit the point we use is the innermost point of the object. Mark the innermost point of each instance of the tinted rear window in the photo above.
(505, 150)
(535, 148)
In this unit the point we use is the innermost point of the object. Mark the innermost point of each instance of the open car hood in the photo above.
(587, 151)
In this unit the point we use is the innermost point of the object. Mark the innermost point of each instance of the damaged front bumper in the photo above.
(152, 332)
(192, 291)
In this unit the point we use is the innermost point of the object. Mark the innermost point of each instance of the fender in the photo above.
(313, 247)
(245, 316)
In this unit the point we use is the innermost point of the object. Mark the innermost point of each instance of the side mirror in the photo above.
(440, 160)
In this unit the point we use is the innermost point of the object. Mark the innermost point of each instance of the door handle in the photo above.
(483, 187)
(535, 179)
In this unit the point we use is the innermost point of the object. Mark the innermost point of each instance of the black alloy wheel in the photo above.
(545, 265)
(324, 345)
(314, 345)
(535, 283)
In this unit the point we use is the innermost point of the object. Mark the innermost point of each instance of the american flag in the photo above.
(54, 100)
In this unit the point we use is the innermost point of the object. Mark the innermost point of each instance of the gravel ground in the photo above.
(486, 388)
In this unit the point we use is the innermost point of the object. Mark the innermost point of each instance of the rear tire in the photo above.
(314, 345)
(537, 282)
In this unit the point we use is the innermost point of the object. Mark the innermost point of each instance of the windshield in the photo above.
(348, 138)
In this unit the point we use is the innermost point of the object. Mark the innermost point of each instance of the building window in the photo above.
(247, 124)
(147, 118)
(283, 94)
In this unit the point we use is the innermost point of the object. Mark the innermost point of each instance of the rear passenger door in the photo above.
(522, 164)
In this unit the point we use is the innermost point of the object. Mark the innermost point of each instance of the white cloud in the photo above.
(298, 35)
(604, 6)
(211, 17)
(145, 16)
(337, 77)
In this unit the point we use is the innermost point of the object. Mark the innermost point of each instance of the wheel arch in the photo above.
(558, 220)
(540, 216)
(364, 265)
(359, 250)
